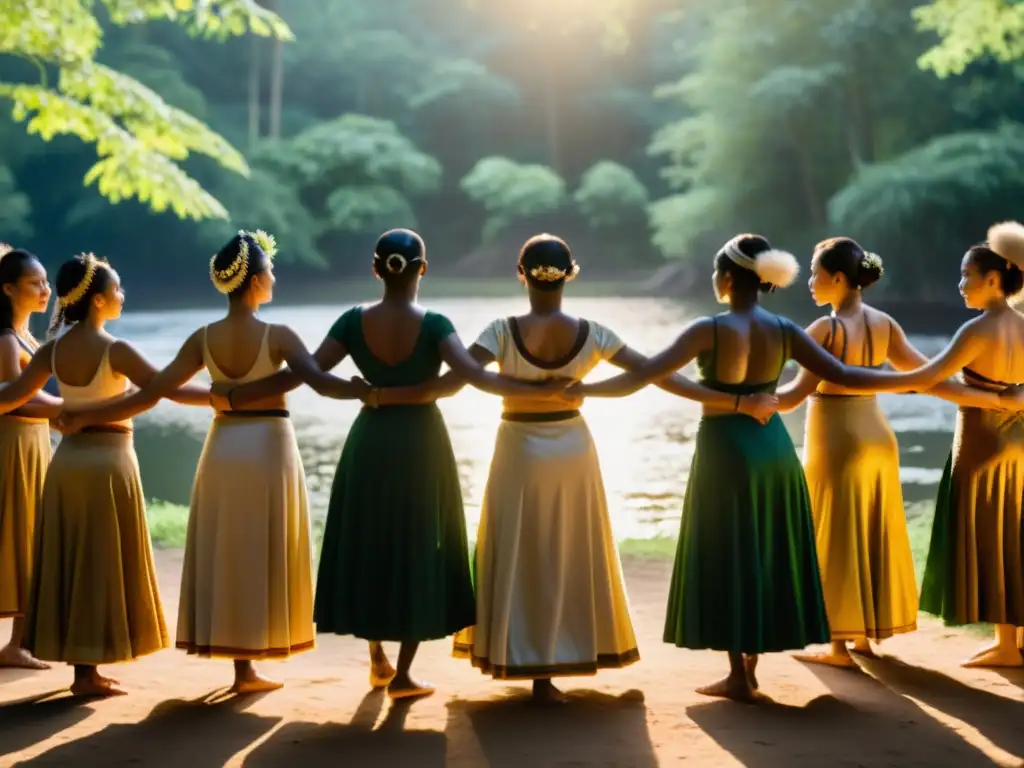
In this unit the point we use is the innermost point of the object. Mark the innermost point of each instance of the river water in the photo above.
(645, 441)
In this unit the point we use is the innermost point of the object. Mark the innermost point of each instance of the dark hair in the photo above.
(398, 256)
(745, 280)
(1011, 279)
(542, 251)
(12, 267)
(257, 261)
(843, 255)
(69, 277)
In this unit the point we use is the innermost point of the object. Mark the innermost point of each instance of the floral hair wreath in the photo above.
(77, 293)
(872, 261)
(550, 274)
(228, 280)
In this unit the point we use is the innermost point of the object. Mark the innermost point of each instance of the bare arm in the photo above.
(17, 392)
(303, 365)
(803, 386)
(694, 339)
(328, 356)
(430, 391)
(42, 405)
(472, 372)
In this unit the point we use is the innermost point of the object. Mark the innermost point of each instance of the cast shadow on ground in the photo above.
(592, 728)
(355, 744)
(34, 719)
(870, 724)
(204, 733)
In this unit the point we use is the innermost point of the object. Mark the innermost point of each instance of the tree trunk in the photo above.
(805, 170)
(254, 91)
(276, 80)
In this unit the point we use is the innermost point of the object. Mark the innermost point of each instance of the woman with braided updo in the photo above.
(94, 597)
(394, 563)
(246, 584)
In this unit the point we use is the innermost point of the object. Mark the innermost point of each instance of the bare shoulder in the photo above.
(9, 343)
(820, 328)
(282, 336)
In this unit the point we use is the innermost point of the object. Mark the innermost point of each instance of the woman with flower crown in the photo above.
(550, 598)
(246, 584)
(94, 597)
(394, 563)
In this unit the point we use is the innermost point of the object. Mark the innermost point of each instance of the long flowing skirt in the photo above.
(94, 597)
(394, 563)
(550, 597)
(746, 573)
(24, 457)
(247, 579)
(975, 569)
(867, 571)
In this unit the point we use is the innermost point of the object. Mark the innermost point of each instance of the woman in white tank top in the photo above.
(247, 580)
(94, 597)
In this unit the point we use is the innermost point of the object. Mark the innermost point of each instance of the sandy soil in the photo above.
(914, 707)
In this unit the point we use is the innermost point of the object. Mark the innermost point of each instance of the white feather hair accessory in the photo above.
(780, 268)
(1007, 239)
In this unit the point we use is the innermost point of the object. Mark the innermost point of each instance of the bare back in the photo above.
(548, 338)
(1002, 358)
(238, 349)
(392, 330)
(79, 354)
(860, 338)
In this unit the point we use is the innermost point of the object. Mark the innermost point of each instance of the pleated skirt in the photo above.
(24, 458)
(975, 568)
(851, 460)
(394, 564)
(94, 596)
(746, 573)
(247, 577)
(550, 597)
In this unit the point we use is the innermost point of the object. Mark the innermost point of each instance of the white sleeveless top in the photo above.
(106, 385)
(261, 368)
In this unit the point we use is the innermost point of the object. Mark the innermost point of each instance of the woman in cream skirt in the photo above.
(24, 444)
(94, 597)
(246, 583)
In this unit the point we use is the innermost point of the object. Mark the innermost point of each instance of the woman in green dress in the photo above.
(746, 575)
(394, 564)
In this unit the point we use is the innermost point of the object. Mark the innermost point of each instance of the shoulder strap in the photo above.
(869, 347)
(53, 360)
(713, 365)
(785, 347)
(846, 335)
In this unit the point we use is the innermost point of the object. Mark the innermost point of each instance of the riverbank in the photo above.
(914, 706)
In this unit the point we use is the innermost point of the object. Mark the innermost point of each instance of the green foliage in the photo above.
(969, 30)
(610, 195)
(936, 198)
(509, 191)
(678, 220)
(15, 209)
(139, 137)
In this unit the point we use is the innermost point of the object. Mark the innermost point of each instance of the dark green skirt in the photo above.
(394, 564)
(746, 572)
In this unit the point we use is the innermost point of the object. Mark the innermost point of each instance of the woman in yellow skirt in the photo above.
(94, 597)
(24, 444)
(247, 580)
(851, 459)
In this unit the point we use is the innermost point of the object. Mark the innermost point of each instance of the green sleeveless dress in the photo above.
(746, 571)
(394, 564)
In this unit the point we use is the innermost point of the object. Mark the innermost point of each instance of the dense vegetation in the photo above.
(640, 129)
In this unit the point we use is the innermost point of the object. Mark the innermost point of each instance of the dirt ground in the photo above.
(913, 707)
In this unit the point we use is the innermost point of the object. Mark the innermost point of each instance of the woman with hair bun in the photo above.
(24, 444)
(94, 597)
(394, 564)
(550, 599)
(975, 568)
(746, 575)
(246, 583)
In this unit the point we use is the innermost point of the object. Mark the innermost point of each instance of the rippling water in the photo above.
(645, 441)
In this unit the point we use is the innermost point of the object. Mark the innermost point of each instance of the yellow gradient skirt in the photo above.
(94, 597)
(550, 599)
(851, 460)
(24, 456)
(247, 579)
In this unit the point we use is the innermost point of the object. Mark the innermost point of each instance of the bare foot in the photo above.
(862, 647)
(12, 656)
(829, 657)
(95, 686)
(995, 656)
(735, 688)
(750, 665)
(545, 692)
(255, 683)
(405, 687)
(381, 671)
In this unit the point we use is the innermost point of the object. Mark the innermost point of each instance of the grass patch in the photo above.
(658, 548)
(168, 523)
